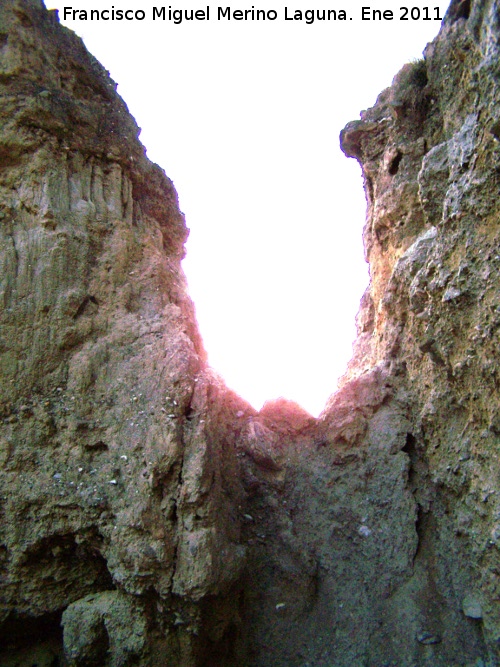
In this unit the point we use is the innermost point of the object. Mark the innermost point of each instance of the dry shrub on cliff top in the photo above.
(409, 91)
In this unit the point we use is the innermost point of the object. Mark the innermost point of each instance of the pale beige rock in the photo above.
(114, 449)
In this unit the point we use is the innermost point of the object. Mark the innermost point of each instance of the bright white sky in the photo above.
(244, 117)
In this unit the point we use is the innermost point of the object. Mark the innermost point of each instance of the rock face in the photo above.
(148, 515)
(430, 155)
(119, 484)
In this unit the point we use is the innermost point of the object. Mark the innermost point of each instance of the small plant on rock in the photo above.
(409, 92)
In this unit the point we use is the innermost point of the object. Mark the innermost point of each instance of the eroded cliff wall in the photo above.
(430, 155)
(118, 469)
(148, 515)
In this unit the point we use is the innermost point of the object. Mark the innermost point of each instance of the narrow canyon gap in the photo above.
(151, 517)
(269, 237)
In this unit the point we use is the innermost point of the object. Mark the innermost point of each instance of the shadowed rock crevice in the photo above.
(28, 640)
(151, 517)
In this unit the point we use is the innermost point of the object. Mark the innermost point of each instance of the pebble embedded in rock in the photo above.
(471, 606)
(428, 638)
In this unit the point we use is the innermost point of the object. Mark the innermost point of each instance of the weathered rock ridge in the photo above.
(149, 516)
